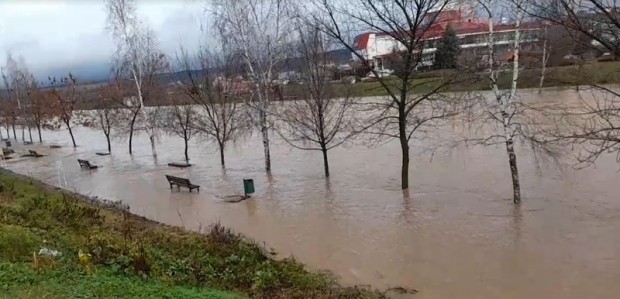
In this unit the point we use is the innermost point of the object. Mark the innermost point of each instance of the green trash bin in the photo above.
(248, 186)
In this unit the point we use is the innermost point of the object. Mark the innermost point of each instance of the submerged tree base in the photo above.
(106, 251)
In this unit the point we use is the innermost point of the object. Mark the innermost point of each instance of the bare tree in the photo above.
(63, 98)
(31, 107)
(120, 92)
(138, 58)
(6, 106)
(593, 24)
(506, 119)
(591, 124)
(178, 119)
(553, 40)
(505, 107)
(411, 103)
(210, 81)
(593, 121)
(107, 111)
(9, 114)
(544, 59)
(36, 108)
(10, 76)
(3, 118)
(258, 31)
(321, 120)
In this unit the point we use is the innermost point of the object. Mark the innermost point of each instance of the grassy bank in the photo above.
(126, 256)
(591, 73)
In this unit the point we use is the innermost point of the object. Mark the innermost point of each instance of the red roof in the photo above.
(361, 41)
(461, 25)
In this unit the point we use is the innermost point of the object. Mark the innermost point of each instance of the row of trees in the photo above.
(414, 105)
(256, 37)
(26, 104)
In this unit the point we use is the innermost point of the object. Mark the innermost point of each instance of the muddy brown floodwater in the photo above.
(455, 235)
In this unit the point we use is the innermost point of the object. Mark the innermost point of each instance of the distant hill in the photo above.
(100, 72)
(92, 73)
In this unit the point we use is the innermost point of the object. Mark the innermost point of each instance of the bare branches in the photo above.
(404, 27)
(137, 59)
(108, 112)
(320, 120)
(592, 23)
(63, 98)
(504, 118)
(256, 30)
(179, 119)
(592, 124)
(211, 82)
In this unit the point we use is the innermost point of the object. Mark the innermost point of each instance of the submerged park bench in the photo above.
(33, 153)
(86, 164)
(181, 182)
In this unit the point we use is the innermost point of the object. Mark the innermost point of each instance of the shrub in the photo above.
(17, 243)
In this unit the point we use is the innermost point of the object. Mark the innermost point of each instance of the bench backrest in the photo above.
(84, 162)
(178, 180)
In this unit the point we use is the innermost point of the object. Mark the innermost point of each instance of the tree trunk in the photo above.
(30, 133)
(8, 133)
(265, 134)
(107, 137)
(514, 171)
(404, 174)
(512, 157)
(72, 138)
(543, 69)
(404, 146)
(14, 134)
(222, 162)
(186, 155)
(130, 139)
(152, 139)
(39, 131)
(325, 161)
(131, 125)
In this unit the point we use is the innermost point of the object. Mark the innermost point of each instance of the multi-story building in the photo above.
(473, 34)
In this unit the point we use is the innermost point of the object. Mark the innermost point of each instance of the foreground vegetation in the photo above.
(108, 252)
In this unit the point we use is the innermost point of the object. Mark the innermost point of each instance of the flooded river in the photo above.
(456, 234)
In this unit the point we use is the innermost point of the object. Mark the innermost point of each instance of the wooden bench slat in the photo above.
(34, 153)
(86, 164)
(181, 182)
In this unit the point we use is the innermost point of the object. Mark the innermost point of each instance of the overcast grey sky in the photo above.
(54, 35)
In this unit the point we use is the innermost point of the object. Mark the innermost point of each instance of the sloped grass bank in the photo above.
(109, 253)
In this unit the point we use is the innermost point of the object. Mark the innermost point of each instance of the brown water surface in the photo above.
(456, 234)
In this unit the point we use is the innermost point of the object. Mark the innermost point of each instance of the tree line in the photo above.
(231, 87)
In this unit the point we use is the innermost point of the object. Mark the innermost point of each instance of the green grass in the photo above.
(21, 281)
(423, 82)
(131, 257)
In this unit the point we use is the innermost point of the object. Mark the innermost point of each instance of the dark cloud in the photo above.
(60, 35)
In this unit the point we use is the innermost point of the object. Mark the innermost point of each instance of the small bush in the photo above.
(17, 243)
(104, 248)
(70, 211)
(222, 235)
